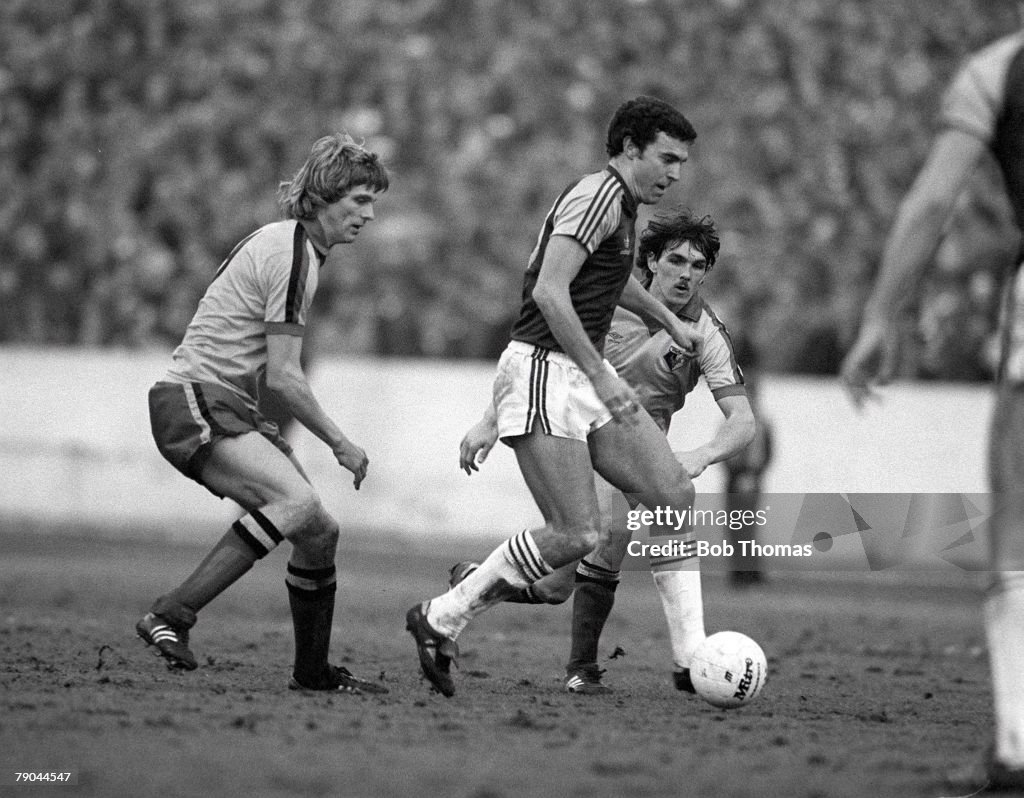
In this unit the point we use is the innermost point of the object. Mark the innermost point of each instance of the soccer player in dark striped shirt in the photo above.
(558, 403)
(982, 111)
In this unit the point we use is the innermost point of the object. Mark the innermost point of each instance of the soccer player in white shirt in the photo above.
(205, 418)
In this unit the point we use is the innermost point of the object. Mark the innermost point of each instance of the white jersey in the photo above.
(659, 371)
(265, 286)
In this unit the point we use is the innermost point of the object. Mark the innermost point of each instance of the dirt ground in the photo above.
(877, 687)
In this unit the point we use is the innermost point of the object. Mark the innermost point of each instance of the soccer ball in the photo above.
(728, 669)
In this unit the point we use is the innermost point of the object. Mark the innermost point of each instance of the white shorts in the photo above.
(537, 386)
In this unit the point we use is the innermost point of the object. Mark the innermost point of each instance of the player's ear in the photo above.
(652, 263)
(629, 147)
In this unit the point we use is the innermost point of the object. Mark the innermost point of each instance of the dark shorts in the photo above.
(187, 419)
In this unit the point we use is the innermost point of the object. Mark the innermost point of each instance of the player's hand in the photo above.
(693, 462)
(871, 361)
(354, 459)
(617, 395)
(476, 444)
(686, 337)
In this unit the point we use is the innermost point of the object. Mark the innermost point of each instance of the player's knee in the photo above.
(301, 513)
(677, 490)
(583, 538)
(329, 531)
(320, 531)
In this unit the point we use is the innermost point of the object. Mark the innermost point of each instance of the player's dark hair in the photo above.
(335, 164)
(642, 119)
(670, 229)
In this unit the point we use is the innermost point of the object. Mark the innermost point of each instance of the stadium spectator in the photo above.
(982, 111)
(206, 421)
(676, 253)
(554, 394)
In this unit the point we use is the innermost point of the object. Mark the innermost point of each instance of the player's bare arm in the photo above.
(908, 251)
(478, 441)
(286, 377)
(637, 299)
(735, 433)
(562, 262)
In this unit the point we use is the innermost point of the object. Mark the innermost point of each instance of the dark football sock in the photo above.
(250, 538)
(311, 593)
(525, 595)
(592, 603)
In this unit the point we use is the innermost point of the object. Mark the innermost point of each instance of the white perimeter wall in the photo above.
(75, 445)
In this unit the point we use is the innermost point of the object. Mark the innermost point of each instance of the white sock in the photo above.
(516, 563)
(1004, 628)
(683, 604)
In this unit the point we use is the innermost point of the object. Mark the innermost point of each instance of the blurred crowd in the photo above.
(140, 139)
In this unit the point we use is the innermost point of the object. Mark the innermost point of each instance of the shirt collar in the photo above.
(630, 199)
(691, 310)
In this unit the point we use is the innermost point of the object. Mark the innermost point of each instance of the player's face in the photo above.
(678, 274)
(657, 167)
(341, 221)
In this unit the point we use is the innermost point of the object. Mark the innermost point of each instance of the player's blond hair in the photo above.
(335, 164)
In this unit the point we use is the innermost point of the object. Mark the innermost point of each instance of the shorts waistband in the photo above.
(541, 353)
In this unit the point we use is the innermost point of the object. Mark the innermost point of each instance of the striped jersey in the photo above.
(599, 212)
(986, 100)
(659, 371)
(265, 285)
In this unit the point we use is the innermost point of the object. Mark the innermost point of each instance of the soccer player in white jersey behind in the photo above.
(982, 111)
(676, 253)
(205, 419)
(558, 403)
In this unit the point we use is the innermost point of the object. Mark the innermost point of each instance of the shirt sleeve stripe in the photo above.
(597, 209)
(297, 280)
(737, 372)
(728, 390)
(235, 251)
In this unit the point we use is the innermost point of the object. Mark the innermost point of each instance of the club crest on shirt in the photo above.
(675, 358)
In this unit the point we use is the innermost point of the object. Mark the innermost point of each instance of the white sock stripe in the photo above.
(602, 574)
(302, 583)
(528, 555)
(513, 558)
(534, 550)
(252, 526)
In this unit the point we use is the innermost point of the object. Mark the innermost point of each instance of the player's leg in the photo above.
(555, 588)
(190, 422)
(545, 409)
(1004, 603)
(260, 477)
(596, 579)
(558, 473)
(648, 472)
(280, 503)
